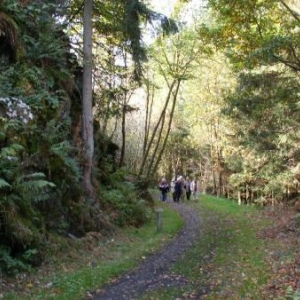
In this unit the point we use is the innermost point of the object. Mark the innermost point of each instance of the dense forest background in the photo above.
(100, 99)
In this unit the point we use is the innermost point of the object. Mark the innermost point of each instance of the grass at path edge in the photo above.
(228, 262)
(120, 253)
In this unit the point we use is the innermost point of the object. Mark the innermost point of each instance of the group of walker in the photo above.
(180, 189)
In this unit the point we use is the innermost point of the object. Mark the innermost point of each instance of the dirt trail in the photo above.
(155, 272)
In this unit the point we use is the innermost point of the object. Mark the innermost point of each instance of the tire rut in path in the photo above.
(154, 272)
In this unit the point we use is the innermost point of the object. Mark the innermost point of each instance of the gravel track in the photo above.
(154, 272)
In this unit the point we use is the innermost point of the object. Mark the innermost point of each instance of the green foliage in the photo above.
(263, 108)
(39, 169)
(24, 184)
(89, 272)
(40, 159)
(291, 294)
(9, 264)
(261, 42)
(21, 262)
(33, 184)
(4, 183)
(123, 205)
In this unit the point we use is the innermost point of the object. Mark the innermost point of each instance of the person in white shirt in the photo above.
(172, 185)
(194, 189)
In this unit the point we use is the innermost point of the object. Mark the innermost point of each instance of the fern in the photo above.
(291, 295)
(2, 135)
(9, 160)
(34, 176)
(9, 264)
(62, 151)
(29, 186)
(297, 295)
(35, 186)
(55, 133)
(14, 125)
(9, 167)
(39, 173)
(4, 184)
(11, 151)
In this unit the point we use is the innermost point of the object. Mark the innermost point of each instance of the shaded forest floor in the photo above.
(280, 238)
(283, 251)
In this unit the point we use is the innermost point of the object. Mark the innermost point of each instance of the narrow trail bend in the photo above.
(154, 272)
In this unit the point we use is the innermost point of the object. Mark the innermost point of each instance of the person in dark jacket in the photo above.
(164, 189)
(178, 188)
(187, 187)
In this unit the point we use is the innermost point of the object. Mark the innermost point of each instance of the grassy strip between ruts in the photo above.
(228, 261)
(74, 278)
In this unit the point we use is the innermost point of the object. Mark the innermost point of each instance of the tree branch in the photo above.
(292, 12)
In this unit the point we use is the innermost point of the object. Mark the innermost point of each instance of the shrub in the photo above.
(9, 264)
(124, 206)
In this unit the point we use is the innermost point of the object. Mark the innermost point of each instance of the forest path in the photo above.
(155, 271)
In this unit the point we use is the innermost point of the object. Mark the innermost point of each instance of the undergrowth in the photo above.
(83, 265)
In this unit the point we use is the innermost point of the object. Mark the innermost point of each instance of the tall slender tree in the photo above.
(87, 95)
(174, 58)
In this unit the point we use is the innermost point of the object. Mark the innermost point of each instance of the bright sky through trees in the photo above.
(192, 10)
(164, 7)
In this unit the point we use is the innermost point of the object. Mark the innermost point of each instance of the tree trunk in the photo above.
(149, 106)
(87, 95)
(239, 198)
(159, 122)
(157, 145)
(215, 190)
(220, 183)
(168, 130)
(123, 131)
